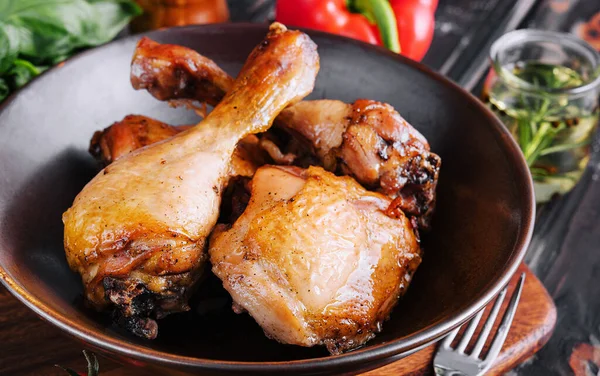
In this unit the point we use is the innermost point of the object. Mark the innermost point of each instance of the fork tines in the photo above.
(449, 358)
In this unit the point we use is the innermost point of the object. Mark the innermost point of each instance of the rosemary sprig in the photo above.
(542, 116)
(93, 367)
(564, 147)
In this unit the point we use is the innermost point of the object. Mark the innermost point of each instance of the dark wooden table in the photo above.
(565, 250)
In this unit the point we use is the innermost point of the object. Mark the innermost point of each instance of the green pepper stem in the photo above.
(382, 13)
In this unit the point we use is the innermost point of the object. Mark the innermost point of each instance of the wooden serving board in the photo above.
(29, 346)
(530, 330)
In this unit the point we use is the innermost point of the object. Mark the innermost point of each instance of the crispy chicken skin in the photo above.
(184, 74)
(137, 232)
(368, 140)
(129, 134)
(314, 259)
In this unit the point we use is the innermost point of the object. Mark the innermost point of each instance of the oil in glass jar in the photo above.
(544, 87)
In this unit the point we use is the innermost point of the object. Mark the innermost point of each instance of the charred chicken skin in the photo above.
(129, 134)
(185, 75)
(314, 259)
(368, 140)
(137, 232)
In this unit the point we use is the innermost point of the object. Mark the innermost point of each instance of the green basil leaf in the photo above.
(42, 39)
(54, 26)
(51, 28)
(111, 17)
(35, 33)
(4, 89)
(22, 72)
(9, 47)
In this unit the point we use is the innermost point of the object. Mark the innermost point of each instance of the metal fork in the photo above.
(450, 361)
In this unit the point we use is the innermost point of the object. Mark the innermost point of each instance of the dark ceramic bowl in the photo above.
(481, 228)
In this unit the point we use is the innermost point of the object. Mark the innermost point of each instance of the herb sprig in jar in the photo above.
(544, 87)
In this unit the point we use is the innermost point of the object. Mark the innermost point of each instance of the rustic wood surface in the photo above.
(30, 346)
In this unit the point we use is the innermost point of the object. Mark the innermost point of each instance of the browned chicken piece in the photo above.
(137, 232)
(129, 134)
(314, 259)
(137, 131)
(368, 140)
(184, 74)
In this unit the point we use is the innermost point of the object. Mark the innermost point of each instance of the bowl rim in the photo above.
(367, 354)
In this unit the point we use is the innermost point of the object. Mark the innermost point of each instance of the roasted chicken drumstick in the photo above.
(137, 131)
(314, 258)
(368, 140)
(137, 232)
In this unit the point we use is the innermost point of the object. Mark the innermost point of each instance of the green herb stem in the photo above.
(532, 150)
(525, 129)
(563, 147)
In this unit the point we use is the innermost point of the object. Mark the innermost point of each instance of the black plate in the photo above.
(480, 231)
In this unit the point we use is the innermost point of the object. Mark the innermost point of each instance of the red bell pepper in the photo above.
(403, 26)
(416, 24)
(335, 16)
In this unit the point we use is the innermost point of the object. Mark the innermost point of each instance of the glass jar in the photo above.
(166, 13)
(544, 86)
